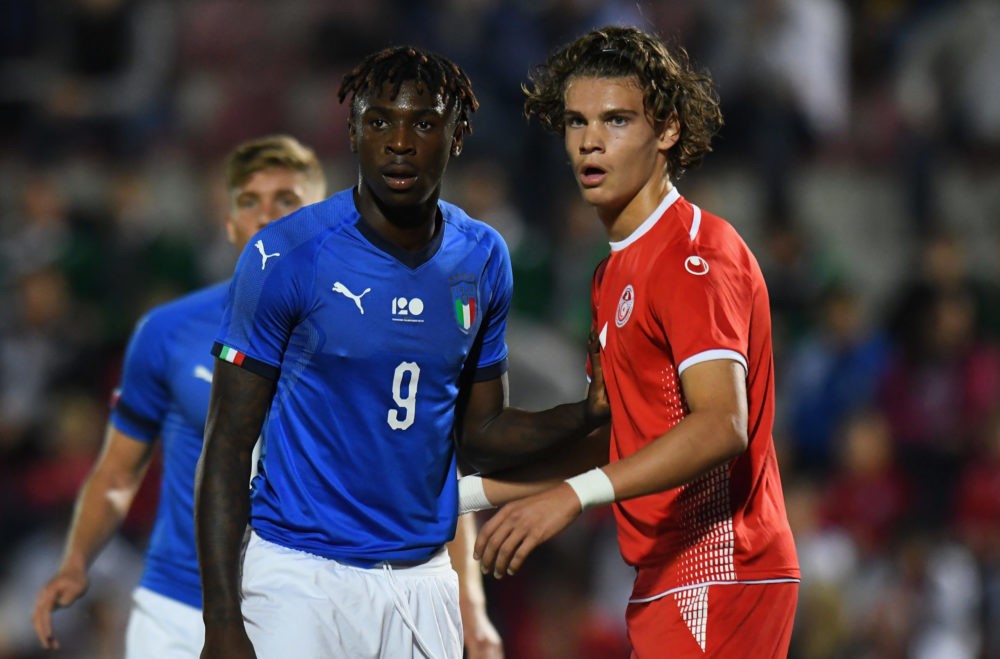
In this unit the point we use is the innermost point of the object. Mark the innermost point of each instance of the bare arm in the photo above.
(101, 505)
(481, 638)
(493, 436)
(714, 432)
(237, 407)
(549, 469)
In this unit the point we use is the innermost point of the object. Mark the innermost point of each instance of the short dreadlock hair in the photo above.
(400, 64)
(669, 83)
(282, 151)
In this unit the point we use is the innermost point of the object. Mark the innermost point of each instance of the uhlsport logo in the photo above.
(696, 265)
(463, 296)
(625, 304)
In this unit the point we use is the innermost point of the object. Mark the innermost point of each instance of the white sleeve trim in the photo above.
(695, 223)
(710, 355)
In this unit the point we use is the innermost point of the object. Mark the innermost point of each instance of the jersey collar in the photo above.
(649, 222)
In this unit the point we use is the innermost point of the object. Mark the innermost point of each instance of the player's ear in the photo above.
(231, 230)
(352, 134)
(670, 132)
(458, 139)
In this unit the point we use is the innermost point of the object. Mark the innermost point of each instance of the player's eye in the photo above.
(290, 202)
(574, 122)
(618, 121)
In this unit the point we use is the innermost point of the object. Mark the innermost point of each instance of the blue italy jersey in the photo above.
(166, 380)
(367, 345)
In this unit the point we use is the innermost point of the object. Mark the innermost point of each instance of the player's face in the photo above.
(617, 155)
(267, 195)
(403, 144)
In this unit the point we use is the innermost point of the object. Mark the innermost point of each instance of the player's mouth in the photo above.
(399, 177)
(591, 175)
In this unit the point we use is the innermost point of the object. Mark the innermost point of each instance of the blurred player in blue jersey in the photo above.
(360, 335)
(164, 394)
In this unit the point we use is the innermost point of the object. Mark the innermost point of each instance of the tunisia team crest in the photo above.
(625, 304)
(463, 295)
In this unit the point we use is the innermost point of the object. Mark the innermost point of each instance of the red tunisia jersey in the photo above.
(682, 289)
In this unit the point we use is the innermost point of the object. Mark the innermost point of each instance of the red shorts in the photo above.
(735, 621)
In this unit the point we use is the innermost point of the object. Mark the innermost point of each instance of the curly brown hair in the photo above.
(670, 84)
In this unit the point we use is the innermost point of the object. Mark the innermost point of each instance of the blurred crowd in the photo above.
(860, 159)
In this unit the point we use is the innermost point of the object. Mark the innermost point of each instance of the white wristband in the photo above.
(472, 495)
(593, 488)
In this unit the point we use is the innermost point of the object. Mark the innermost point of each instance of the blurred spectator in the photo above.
(977, 501)
(943, 267)
(829, 560)
(866, 495)
(793, 270)
(36, 234)
(39, 349)
(110, 67)
(830, 373)
(938, 391)
(948, 89)
(781, 67)
(920, 601)
(976, 523)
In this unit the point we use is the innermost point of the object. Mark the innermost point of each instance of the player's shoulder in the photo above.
(703, 231)
(187, 307)
(309, 223)
(469, 227)
(716, 228)
(165, 322)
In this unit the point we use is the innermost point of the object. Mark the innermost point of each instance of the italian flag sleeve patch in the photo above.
(241, 359)
(231, 355)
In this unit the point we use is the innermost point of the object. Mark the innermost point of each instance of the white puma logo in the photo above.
(264, 256)
(202, 373)
(340, 288)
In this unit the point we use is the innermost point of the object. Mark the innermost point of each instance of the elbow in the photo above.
(738, 436)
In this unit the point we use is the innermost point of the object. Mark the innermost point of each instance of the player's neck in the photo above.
(408, 227)
(620, 222)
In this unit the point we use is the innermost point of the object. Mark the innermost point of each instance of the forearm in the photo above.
(512, 435)
(237, 407)
(222, 507)
(100, 509)
(105, 498)
(693, 447)
(550, 469)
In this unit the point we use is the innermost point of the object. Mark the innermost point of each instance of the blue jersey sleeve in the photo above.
(143, 394)
(492, 360)
(266, 299)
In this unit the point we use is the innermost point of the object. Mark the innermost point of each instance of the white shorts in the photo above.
(162, 627)
(299, 605)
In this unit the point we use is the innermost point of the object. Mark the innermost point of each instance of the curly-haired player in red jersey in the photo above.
(681, 313)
